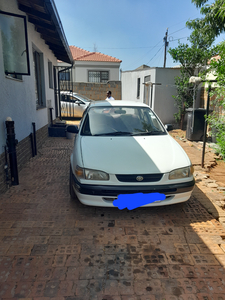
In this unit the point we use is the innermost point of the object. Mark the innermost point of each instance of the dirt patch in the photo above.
(218, 172)
(178, 133)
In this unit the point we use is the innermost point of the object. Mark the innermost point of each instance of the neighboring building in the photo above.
(153, 86)
(93, 66)
(93, 73)
(32, 40)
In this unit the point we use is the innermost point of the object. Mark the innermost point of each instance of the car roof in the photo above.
(75, 95)
(118, 103)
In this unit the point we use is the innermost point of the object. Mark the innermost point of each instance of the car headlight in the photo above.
(91, 174)
(181, 173)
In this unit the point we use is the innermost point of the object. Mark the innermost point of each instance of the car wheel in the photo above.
(72, 193)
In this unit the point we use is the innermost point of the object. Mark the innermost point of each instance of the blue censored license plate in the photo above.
(132, 201)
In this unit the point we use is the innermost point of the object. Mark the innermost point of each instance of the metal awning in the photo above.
(44, 15)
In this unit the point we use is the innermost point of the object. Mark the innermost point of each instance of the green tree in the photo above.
(193, 60)
(217, 118)
(212, 23)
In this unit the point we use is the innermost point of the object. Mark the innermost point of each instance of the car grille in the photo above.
(138, 178)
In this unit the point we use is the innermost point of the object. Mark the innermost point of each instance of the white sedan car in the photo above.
(73, 105)
(122, 149)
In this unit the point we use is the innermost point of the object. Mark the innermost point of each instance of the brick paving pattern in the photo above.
(55, 248)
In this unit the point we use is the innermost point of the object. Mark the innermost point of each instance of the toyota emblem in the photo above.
(139, 178)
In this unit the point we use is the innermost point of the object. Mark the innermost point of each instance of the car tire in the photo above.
(71, 190)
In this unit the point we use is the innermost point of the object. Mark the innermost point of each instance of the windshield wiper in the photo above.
(115, 133)
(154, 132)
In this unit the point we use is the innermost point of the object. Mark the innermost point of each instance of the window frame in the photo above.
(101, 79)
(26, 44)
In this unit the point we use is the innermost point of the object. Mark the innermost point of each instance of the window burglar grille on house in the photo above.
(65, 78)
(98, 76)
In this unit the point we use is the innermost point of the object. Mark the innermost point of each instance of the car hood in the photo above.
(132, 155)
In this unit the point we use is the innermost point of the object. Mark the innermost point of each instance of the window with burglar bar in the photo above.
(98, 76)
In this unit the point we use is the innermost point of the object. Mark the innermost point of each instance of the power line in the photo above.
(129, 48)
(126, 48)
(155, 54)
(185, 20)
(179, 30)
(148, 52)
(178, 39)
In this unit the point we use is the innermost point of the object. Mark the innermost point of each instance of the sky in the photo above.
(130, 30)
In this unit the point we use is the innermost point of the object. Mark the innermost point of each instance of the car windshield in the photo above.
(82, 97)
(121, 121)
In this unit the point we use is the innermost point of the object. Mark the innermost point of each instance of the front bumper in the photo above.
(104, 195)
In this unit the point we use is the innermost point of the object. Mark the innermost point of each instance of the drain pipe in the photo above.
(11, 144)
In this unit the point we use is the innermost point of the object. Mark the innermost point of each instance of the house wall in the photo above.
(24, 153)
(81, 68)
(162, 95)
(129, 83)
(97, 91)
(163, 98)
(17, 99)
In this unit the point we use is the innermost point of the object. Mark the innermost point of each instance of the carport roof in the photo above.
(44, 15)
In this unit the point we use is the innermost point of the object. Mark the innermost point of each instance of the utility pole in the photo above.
(166, 45)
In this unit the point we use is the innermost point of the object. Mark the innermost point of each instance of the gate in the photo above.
(65, 83)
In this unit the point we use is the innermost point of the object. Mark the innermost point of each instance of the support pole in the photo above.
(11, 144)
(166, 45)
(205, 127)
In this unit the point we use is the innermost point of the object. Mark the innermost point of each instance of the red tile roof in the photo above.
(81, 54)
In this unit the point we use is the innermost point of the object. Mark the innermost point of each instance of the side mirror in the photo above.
(79, 102)
(169, 127)
(72, 128)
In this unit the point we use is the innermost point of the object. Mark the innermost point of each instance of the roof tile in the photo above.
(84, 55)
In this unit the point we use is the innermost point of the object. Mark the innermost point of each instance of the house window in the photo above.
(50, 74)
(13, 29)
(138, 87)
(98, 76)
(39, 82)
(64, 76)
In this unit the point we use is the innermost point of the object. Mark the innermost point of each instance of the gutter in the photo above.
(51, 7)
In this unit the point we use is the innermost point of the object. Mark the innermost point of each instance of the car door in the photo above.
(64, 102)
(79, 107)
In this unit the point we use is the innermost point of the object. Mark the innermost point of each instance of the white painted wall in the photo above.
(17, 97)
(129, 83)
(81, 68)
(162, 96)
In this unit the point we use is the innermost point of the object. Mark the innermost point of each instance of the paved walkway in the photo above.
(53, 248)
(215, 199)
(195, 153)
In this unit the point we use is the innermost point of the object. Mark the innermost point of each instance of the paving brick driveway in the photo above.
(52, 248)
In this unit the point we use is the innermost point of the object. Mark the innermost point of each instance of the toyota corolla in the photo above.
(122, 148)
